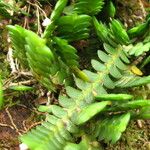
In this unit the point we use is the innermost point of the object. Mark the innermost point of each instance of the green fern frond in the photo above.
(110, 129)
(49, 70)
(55, 133)
(76, 106)
(122, 102)
(139, 30)
(52, 134)
(128, 105)
(66, 52)
(89, 7)
(17, 37)
(131, 81)
(110, 9)
(119, 32)
(138, 49)
(73, 27)
(113, 35)
(31, 50)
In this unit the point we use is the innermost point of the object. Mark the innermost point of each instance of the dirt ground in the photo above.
(15, 121)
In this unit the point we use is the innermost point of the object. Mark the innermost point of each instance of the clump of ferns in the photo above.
(87, 111)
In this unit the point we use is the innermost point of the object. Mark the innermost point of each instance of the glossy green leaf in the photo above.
(90, 111)
(66, 102)
(97, 65)
(114, 97)
(21, 88)
(110, 8)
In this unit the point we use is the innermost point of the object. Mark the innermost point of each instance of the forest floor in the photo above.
(20, 115)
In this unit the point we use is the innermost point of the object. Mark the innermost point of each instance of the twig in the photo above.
(38, 8)
(6, 125)
(26, 22)
(38, 21)
(25, 73)
(36, 5)
(11, 60)
(11, 120)
(139, 123)
(27, 82)
(35, 124)
(24, 125)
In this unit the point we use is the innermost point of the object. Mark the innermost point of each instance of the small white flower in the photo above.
(23, 146)
(46, 22)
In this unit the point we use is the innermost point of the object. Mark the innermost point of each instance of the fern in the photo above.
(32, 51)
(110, 129)
(114, 35)
(66, 52)
(53, 75)
(122, 102)
(138, 49)
(74, 27)
(18, 42)
(88, 7)
(140, 29)
(132, 80)
(76, 107)
(72, 123)
(110, 9)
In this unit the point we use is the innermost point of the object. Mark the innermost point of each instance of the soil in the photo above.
(14, 121)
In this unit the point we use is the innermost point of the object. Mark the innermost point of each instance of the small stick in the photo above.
(6, 125)
(11, 120)
(11, 60)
